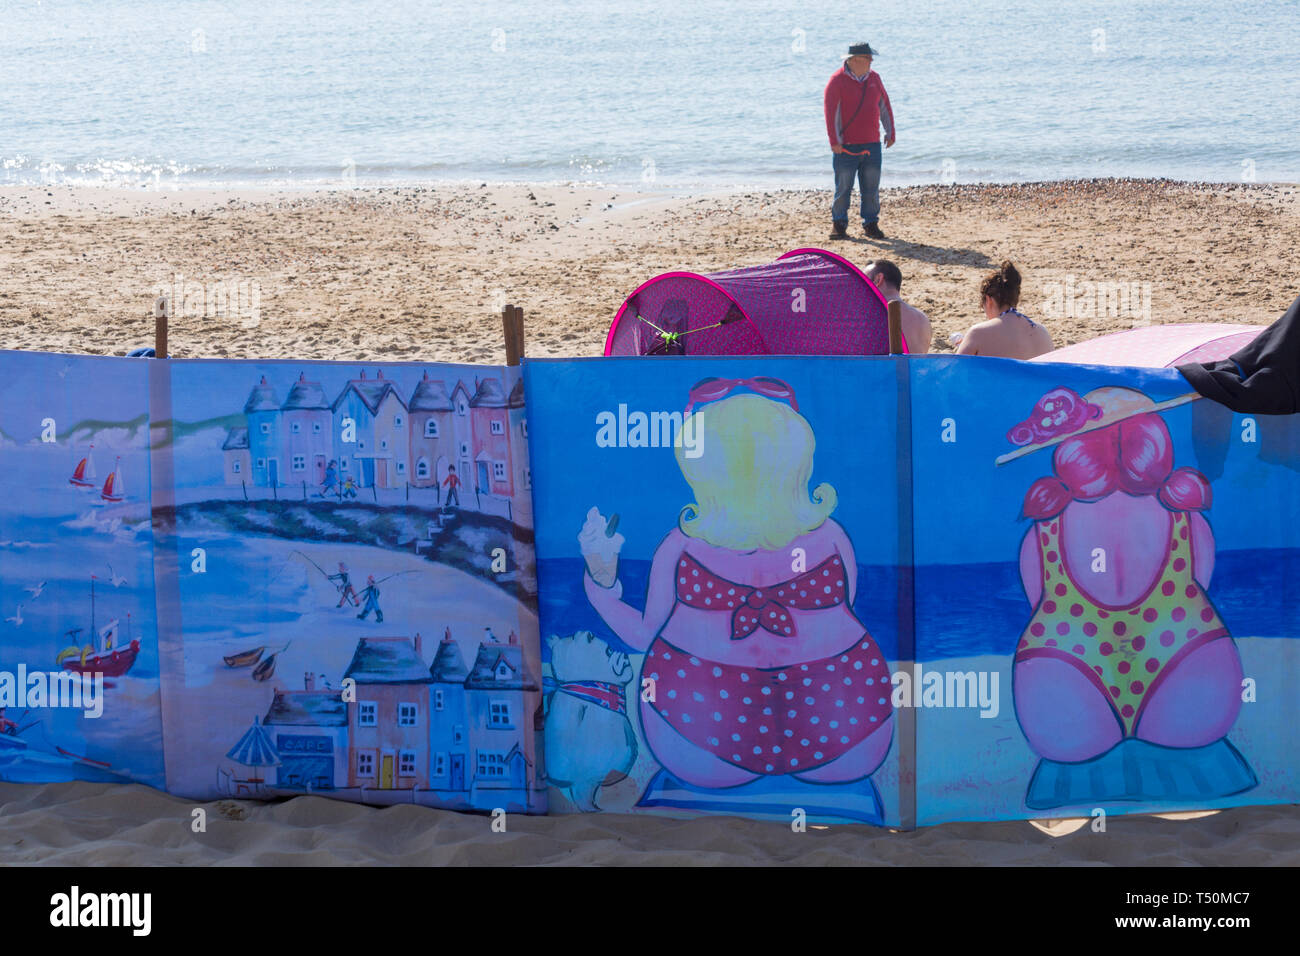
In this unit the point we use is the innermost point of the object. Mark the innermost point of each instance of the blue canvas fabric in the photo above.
(876, 590)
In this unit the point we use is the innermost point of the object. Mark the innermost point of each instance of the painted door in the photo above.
(273, 472)
(320, 469)
(458, 771)
(381, 472)
(386, 773)
(483, 483)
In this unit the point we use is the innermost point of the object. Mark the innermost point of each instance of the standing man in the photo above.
(887, 277)
(452, 481)
(856, 107)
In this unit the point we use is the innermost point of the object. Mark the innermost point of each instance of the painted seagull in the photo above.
(35, 591)
(116, 578)
(17, 619)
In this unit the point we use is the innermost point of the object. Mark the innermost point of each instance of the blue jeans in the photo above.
(867, 170)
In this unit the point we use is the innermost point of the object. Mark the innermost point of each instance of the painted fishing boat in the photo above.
(83, 476)
(266, 669)
(245, 658)
(103, 655)
(114, 490)
(82, 758)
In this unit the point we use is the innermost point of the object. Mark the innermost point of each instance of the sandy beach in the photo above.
(421, 273)
(80, 824)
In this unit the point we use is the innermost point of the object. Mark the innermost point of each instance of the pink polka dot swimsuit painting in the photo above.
(877, 590)
(910, 591)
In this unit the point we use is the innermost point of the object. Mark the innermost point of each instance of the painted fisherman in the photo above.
(371, 594)
(344, 585)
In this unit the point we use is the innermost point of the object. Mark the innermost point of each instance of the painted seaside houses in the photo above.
(446, 733)
(375, 436)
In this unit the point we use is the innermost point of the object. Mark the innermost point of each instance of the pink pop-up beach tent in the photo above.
(808, 302)
(1158, 346)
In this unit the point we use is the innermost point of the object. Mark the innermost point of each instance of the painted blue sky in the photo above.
(966, 506)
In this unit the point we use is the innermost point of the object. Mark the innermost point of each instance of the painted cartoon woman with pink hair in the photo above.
(759, 665)
(1124, 643)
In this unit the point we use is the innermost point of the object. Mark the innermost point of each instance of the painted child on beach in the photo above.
(760, 666)
(1124, 642)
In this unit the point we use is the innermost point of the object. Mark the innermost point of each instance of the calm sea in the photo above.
(674, 93)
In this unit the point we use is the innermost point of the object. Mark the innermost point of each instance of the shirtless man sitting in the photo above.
(916, 324)
(1008, 332)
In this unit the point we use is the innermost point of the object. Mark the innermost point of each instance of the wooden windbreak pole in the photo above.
(512, 324)
(160, 309)
(895, 328)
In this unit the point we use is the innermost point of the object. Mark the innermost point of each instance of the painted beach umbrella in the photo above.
(1158, 346)
(255, 749)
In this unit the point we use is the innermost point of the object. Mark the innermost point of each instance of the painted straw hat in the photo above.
(1062, 413)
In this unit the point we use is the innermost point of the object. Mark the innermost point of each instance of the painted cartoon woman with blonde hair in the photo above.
(1124, 646)
(760, 666)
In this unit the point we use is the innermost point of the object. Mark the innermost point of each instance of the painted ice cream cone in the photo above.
(600, 546)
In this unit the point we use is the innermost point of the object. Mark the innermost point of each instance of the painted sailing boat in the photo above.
(102, 655)
(83, 476)
(114, 490)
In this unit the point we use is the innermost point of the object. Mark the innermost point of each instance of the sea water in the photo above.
(671, 94)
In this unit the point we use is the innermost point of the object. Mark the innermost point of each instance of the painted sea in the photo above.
(671, 94)
(964, 610)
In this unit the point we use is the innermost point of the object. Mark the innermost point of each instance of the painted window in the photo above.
(461, 407)
(406, 715)
(422, 468)
(528, 477)
(397, 421)
(524, 427)
(498, 428)
(361, 443)
(238, 466)
(458, 735)
(296, 428)
(498, 471)
(430, 428)
(383, 443)
(401, 467)
(491, 763)
(365, 764)
(503, 671)
(261, 463)
(299, 462)
(343, 463)
(499, 713)
(266, 428)
(315, 428)
(367, 713)
(464, 449)
(439, 764)
(406, 763)
(439, 700)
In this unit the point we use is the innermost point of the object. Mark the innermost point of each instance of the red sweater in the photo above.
(843, 92)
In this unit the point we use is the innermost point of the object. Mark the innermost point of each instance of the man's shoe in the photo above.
(873, 231)
(840, 231)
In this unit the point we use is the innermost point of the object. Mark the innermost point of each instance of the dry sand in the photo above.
(77, 824)
(421, 274)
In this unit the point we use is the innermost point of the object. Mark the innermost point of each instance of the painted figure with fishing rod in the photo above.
(856, 107)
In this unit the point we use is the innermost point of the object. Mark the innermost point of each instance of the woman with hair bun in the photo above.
(1008, 332)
